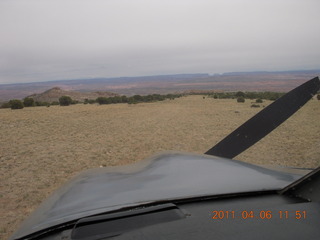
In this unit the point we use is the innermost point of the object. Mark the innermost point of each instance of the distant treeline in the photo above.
(135, 99)
(248, 95)
(66, 100)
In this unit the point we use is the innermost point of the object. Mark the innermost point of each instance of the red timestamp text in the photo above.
(261, 214)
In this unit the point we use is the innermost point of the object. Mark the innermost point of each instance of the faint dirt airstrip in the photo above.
(41, 148)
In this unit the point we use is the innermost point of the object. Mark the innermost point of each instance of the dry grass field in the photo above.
(41, 148)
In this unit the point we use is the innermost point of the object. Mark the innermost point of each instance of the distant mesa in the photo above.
(162, 84)
(53, 95)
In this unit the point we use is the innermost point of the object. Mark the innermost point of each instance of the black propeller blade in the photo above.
(265, 121)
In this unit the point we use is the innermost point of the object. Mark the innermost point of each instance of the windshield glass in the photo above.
(94, 84)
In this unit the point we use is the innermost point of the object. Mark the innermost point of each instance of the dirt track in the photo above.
(41, 148)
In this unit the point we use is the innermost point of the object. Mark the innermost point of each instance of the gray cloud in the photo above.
(64, 39)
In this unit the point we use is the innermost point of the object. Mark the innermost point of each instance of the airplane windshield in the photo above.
(99, 84)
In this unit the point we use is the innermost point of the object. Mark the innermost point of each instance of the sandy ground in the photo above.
(41, 148)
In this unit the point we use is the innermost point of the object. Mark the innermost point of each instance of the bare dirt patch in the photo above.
(41, 148)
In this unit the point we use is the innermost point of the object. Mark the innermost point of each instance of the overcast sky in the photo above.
(43, 40)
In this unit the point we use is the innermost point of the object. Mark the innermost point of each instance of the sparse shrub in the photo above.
(124, 99)
(131, 100)
(137, 98)
(65, 101)
(318, 96)
(28, 102)
(274, 96)
(39, 104)
(259, 100)
(90, 101)
(102, 100)
(240, 100)
(240, 94)
(111, 100)
(148, 98)
(170, 96)
(255, 105)
(5, 105)
(215, 96)
(16, 104)
(55, 103)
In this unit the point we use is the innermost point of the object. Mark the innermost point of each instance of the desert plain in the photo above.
(43, 147)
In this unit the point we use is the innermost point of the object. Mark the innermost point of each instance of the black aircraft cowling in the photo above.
(164, 177)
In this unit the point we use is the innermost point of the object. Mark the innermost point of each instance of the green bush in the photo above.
(16, 104)
(124, 99)
(86, 101)
(65, 101)
(255, 105)
(240, 100)
(170, 96)
(39, 104)
(28, 102)
(137, 98)
(90, 101)
(131, 100)
(259, 100)
(103, 100)
(240, 94)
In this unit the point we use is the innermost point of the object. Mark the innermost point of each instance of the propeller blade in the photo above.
(265, 121)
